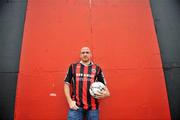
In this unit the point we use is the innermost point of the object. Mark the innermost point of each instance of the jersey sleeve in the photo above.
(69, 75)
(100, 76)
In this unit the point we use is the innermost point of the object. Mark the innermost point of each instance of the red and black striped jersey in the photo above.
(81, 77)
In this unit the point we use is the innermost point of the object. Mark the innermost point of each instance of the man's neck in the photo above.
(85, 63)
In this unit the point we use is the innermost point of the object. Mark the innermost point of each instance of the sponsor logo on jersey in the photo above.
(84, 75)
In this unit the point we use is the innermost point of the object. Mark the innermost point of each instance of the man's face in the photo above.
(85, 54)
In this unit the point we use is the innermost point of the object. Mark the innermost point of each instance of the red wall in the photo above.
(123, 41)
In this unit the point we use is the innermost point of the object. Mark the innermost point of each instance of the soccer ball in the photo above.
(96, 87)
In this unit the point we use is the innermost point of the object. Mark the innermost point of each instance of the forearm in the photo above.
(107, 93)
(67, 92)
(72, 104)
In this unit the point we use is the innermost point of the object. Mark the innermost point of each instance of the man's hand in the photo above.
(102, 94)
(72, 105)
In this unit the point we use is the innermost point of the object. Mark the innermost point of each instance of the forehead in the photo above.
(85, 49)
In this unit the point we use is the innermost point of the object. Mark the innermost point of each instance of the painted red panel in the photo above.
(122, 37)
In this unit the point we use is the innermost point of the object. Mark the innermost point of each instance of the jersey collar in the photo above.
(91, 63)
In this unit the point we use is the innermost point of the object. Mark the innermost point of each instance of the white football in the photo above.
(95, 88)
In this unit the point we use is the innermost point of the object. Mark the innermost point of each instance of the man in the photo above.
(79, 78)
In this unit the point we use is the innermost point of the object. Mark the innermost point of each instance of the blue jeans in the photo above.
(81, 113)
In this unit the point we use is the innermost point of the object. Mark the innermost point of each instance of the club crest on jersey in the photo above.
(93, 70)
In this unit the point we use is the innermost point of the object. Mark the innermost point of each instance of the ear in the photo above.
(91, 54)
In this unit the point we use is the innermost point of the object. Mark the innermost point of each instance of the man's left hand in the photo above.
(102, 94)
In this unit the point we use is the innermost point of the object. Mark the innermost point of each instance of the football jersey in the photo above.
(80, 77)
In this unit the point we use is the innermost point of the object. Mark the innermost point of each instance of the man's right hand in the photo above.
(72, 105)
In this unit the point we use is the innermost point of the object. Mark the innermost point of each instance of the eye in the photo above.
(85, 52)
